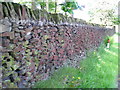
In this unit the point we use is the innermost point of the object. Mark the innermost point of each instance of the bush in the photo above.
(109, 38)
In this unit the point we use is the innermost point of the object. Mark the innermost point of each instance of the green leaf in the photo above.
(70, 11)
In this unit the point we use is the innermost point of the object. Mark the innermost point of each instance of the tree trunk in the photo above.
(33, 5)
(8, 0)
(55, 6)
(47, 5)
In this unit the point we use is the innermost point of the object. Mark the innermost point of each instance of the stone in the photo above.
(9, 34)
(28, 30)
(12, 35)
(18, 31)
(5, 42)
(27, 37)
(15, 41)
(4, 34)
(55, 57)
(21, 27)
(1, 11)
(4, 28)
(17, 49)
(1, 48)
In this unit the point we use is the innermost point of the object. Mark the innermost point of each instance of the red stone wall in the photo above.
(32, 49)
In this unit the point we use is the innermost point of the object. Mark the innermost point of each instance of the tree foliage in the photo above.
(116, 20)
(68, 7)
(51, 5)
(104, 13)
(41, 4)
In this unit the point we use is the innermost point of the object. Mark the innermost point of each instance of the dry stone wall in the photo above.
(35, 43)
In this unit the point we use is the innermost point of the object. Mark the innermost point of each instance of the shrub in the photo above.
(109, 38)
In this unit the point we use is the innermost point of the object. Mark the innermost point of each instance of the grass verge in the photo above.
(98, 70)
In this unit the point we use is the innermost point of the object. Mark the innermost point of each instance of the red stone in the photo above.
(61, 59)
(27, 37)
(39, 30)
(6, 42)
(65, 45)
(55, 57)
(15, 40)
(23, 33)
(5, 34)
(17, 49)
(21, 39)
(70, 52)
(39, 47)
(41, 62)
(20, 57)
(12, 35)
(32, 66)
(28, 30)
(51, 57)
(45, 56)
(54, 50)
(61, 51)
(36, 31)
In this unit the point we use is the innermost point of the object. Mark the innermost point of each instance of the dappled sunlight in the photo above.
(98, 56)
(115, 46)
(99, 59)
(103, 62)
(98, 65)
(115, 37)
(113, 53)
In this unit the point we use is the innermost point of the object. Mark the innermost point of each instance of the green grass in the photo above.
(98, 70)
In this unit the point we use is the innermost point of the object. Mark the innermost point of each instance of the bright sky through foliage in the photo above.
(89, 4)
